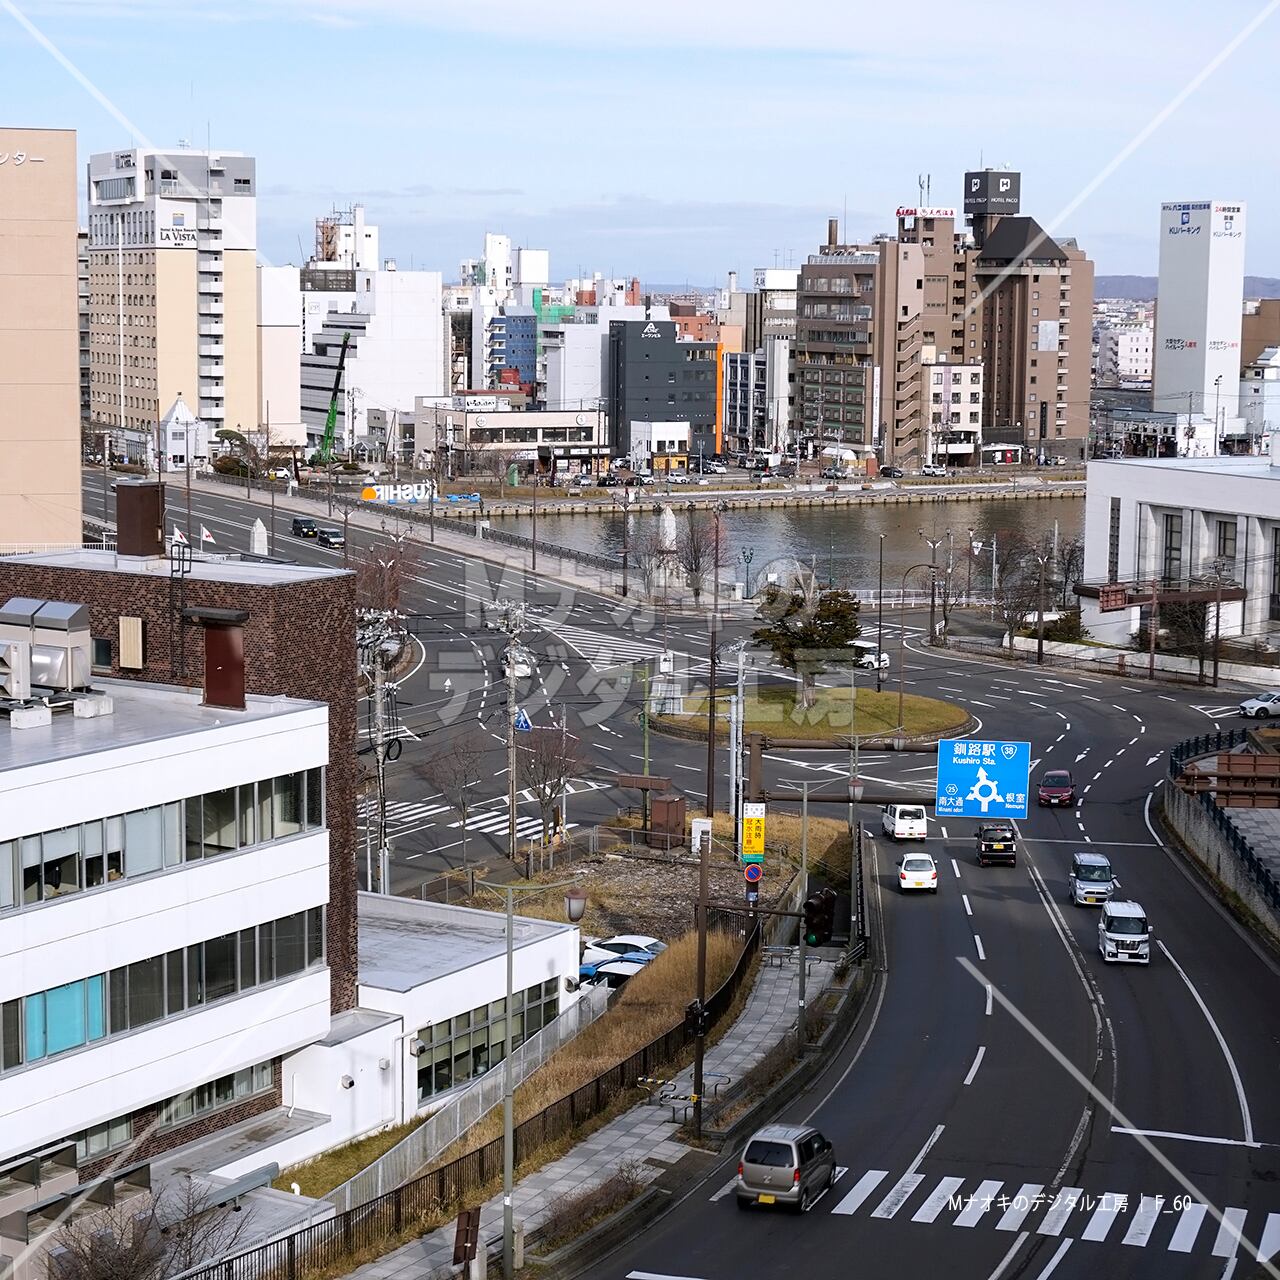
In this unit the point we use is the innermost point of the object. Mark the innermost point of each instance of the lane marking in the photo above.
(943, 829)
(1003, 1265)
(1222, 1044)
(988, 1009)
(977, 942)
(1229, 1234)
(1057, 1258)
(1184, 1234)
(955, 866)
(973, 1070)
(860, 1190)
(897, 1196)
(934, 1205)
(924, 1151)
(1270, 1243)
(1185, 1137)
(1104, 1217)
(979, 1203)
(1021, 1205)
(1060, 1210)
(725, 1190)
(1144, 1221)
(968, 910)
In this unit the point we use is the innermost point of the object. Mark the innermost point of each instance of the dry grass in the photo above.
(319, 1176)
(648, 1006)
(774, 711)
(572, 1215)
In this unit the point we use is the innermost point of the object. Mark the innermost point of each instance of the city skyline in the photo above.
(670, 144)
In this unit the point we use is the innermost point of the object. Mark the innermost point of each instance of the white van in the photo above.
(904, 821)
(1124, 933)
(867, 654)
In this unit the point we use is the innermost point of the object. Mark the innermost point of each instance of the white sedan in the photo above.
(917, 871)
(1262, 705)
(599, 950)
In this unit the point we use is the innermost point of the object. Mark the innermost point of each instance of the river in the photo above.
(841, 542)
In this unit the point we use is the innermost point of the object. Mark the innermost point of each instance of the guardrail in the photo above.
(332, 1242)
(1204, 745)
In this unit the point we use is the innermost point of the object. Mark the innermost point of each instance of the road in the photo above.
(1009, 1106)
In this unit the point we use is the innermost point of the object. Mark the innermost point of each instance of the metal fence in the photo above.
(331, 1242)
(1210, 744)
(448, 1124)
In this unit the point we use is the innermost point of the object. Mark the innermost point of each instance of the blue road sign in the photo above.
(523, 724)
(983, 779)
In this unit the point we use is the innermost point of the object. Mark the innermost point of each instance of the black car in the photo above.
(787, 470)
(893, 473)
(997, 842)
(609, 480)
(304, 527)
(330, 538)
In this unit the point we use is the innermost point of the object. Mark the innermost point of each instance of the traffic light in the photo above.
(695, 1019)
(819, 917)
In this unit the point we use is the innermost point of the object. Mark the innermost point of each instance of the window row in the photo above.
(75, 1014)
(67, 860)
(466, 1046)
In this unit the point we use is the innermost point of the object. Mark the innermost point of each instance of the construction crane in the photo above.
(331, 422)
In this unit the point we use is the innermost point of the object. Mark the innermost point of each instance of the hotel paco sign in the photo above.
(421, 492)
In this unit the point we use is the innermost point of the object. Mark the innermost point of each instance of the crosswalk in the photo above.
(604, 650)
(1171, 1221)
(492, 822)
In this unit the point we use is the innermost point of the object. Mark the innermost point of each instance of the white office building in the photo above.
(1197, 344)
(574, 355)
(954, 436)
(1260, 399)
(1124, 355)
(280, 345)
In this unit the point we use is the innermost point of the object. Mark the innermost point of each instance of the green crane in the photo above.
(331, 422)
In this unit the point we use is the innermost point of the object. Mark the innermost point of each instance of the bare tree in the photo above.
(148, 1237)
(701, 548)
(548, 758)
(647, 554)
(1017, 591)
(384, 569)
(454, 770)
(499, 463)
(1070, 567)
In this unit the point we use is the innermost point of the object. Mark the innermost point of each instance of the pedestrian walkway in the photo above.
(645, 1135)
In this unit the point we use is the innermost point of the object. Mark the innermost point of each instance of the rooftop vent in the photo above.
(45, 662)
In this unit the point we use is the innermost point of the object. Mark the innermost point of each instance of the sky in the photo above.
(676, 140)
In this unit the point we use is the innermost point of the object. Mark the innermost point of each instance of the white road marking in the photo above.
(1270, 1243)
(1013, 1248)
(1144, 1221)
(1185, 1137)
(1153, 759)
(1104, 1217)
(1057, 1258)
(977, 942)
(1060, 1210)
(1082, 755)
(988, 1009)
(1184, 1234)
(979, 1203)
(968, 910)
(924, 1151)
(944, 833)
(725, 1190)
(860, 1190)
(955, 866)
(1231, 1229)
(655, 1275)
(897, 1196)
(973, 1070)
(934, 1205)
(1222, 1044)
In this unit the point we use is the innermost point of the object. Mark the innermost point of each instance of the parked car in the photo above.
(330, 537)
(785, 1164)
(678, 477)
(1262, 705)
(279, 473)
(892, 473)
(521, 660)
(997, 842)
(1124, 933)
(610, 973)
(610, 480)
(1056, 787)
(917, 871)
(636, 479)
(1091, 880)
(596, 950)
(834, 473)
(868, 655)
(715, 468)
(904, 821)
(304, 527)
(787, 471)
(933, 469)
(761, 473)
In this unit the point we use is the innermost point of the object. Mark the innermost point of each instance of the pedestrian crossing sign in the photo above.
(522, 722)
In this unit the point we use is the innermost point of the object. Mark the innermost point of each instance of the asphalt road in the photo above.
(984, 1111)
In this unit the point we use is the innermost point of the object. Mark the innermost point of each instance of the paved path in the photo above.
(645, 1134)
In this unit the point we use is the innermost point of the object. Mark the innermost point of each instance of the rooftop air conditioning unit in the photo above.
(58, 636)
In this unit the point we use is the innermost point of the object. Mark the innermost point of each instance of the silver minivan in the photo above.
(788, 1164)
(1091, 880)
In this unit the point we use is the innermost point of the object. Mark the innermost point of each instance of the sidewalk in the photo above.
(645, 1134)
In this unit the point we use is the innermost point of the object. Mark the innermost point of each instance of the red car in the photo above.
(1056, 787)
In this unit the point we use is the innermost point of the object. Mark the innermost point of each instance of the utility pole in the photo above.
(533, 563)
(714, 645)
(880, 619)
(934, 543)
(1153, 622)
(804, 893)
(376, 630)
(511, 624)
(1041, 559)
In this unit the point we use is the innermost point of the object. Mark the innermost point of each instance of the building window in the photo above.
(1227, 547)
(102, 1138)
(1171, 568)
(1113, 542)
(1274, 613)
(225, 1091)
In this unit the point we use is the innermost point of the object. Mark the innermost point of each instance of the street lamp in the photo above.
(1217, 403)
(880, 618)
(902, 637)
(575, 904)
(934, 544)
(747, 554)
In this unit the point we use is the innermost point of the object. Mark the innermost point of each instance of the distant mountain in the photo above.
(1143, 288)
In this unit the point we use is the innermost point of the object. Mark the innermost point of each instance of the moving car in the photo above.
(1262, 705)
(917, 871)
(787, 1164)
(833, 473)
(715, 468)
(609, 480)
(522, 662)
(596, 950)
(904, 821)
(1056, 787)
(761, 473)
(304, 527)
(787, 470)
(932, 469)
(330, 537)
(1090, 880)
(997, 842)
(868, 655)
(1124, 933)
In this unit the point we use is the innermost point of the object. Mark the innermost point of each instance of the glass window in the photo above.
(10, 1034)
(8, 880)
(194, 833)
(119, 1000)
(219, 822)
(175, 986)
(31, 878)
(263, 812)
(173, 835)
(290, 945)
(146, 992)
(195, 975)
(65, 1017)
(286, 809)
(315, 936)
(315, 798)
(220, 966)
(144, 840)
(248, 959)
(248, 810)
(266, 952)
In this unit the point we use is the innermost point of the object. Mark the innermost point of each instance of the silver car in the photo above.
(1091, 880)
(787, 1164)
(1262, 705)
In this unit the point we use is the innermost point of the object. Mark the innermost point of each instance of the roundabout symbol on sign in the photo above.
(753, 871)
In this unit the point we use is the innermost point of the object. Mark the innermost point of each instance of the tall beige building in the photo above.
(39, 340)
(174, 293)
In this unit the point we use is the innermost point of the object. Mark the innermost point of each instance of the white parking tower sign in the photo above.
(983, 779)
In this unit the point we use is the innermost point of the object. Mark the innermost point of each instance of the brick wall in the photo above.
(149, 1140)
(299, 641)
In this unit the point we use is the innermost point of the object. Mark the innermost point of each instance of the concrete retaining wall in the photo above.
(1135, 663)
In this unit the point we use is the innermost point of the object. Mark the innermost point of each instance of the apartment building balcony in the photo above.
(211, 370)
(212, 412)
(210, 329)
(211, 349)
(210, 306)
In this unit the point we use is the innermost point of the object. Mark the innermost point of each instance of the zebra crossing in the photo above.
(1173, 1222)
(493, 822)
(404, 816)
(604, 650)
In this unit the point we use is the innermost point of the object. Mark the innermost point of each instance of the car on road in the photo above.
(327, 537)
(279, 473)
(595, 950)
(868, 655)
(904, 822)
(892, 473)
(1091, 880)
(520, 660)
(785, 1164)
(304, 527)
(761, 473)
(787, 471)
(1262, 705)
(997, 842)
(715, 468)
(917, 871)
(933, 469)
(1124, 933)
(833, 473)
(637, 479)
(1056, 786)
(610, 480)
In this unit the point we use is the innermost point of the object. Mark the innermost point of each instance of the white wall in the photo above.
(279, 354)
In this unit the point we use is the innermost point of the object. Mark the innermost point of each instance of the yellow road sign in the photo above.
(753, 828)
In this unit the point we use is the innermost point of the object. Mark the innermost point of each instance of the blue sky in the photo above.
(673, 139)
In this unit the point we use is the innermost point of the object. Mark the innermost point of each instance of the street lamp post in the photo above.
(1217, 405)
(934, 544)
(902, 638)
(880, 618)
(575, 904)
(747, 554)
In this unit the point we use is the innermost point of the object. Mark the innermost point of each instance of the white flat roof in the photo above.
(1251, 467)
(141, 713)
(405, 943)
(212, 569)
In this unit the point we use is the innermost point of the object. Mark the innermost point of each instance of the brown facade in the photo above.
(299, 641)
(1259, 330)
